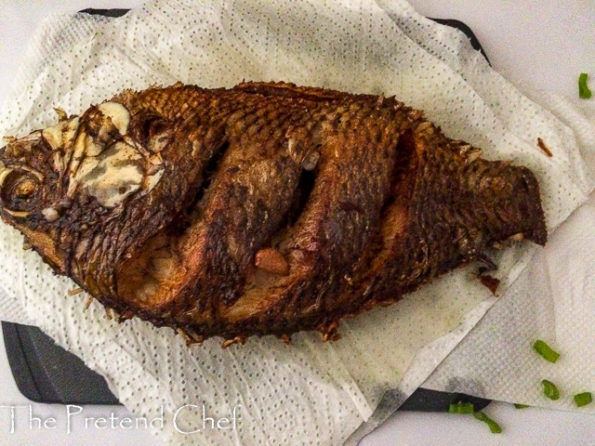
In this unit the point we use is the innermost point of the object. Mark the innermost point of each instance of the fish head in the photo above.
(57, 182)
(28, 188)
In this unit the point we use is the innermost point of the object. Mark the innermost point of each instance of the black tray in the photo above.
(46, 373)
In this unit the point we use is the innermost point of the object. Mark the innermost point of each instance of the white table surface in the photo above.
(544, 44)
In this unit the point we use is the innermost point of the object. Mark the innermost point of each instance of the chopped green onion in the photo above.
(494, 427)
(582, 399)
(461, 407)
(583, 88)
(550, 390)
(546, 351)
(520, 406)
(466, 408)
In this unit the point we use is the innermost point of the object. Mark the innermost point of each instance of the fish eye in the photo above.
(18, 189)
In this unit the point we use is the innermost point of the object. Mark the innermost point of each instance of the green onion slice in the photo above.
(550, 390)
(546, 351)
(494, 427)
(582, 399)
(583, 88)
(460, 407)
(520, 406)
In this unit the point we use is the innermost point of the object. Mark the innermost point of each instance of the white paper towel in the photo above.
(555, 299)
(307, 393)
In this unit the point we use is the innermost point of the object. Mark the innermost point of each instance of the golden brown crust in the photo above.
(263, 209)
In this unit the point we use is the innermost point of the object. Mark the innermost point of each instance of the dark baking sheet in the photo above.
(46, 373)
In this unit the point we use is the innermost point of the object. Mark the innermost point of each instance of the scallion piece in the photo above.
(494, 427)
(461, 407)
(550, 390)
(582, 399)
(583, 88)
(520, 406)
(546, 351)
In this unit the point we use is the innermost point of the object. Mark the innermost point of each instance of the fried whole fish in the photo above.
(267, 208)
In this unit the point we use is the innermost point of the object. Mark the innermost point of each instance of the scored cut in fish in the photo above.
(267, 208)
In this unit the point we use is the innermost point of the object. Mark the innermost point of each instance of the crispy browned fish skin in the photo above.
(357, 199)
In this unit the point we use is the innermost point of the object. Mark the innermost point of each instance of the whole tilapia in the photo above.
(263, 209)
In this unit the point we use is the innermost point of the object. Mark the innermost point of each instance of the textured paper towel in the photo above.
(554, 300)
(307, 393)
